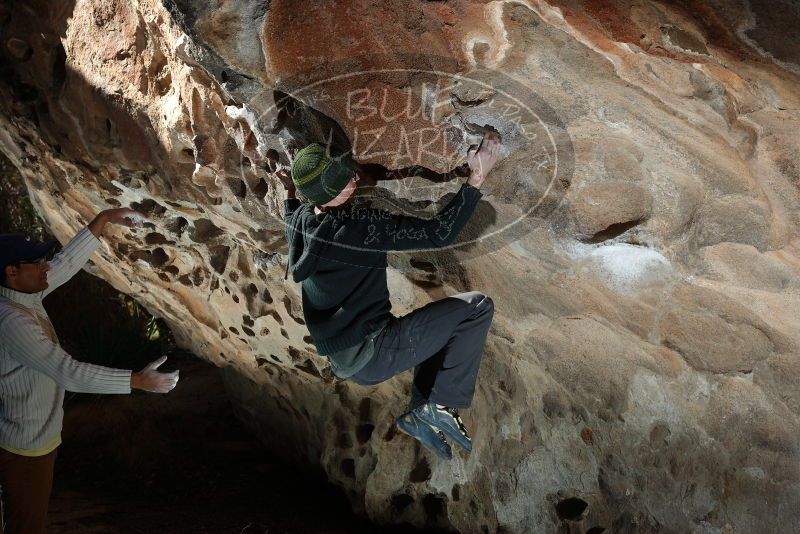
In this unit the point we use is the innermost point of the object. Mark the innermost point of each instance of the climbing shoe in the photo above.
(447, 420)
(431, 438)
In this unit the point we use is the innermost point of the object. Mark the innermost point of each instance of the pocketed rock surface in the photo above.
(641, 372)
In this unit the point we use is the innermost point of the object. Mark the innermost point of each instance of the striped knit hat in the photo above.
(320, 175)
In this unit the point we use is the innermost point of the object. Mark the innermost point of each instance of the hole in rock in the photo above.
(378, 172)
(571, 508)
(266, 297)
(113, 202)
(177, 225)
(421, 471)
(390, 434)
(287, 303)
(238, 187)
(348, 467)
(261, 188)
(205, 230)
(284, 333)
(149, 207)
(308, 367)
(364, 432)
(156, 258)
(308, 339)
(434, 506)
(293, 353)
(154, 238)
(248, 331)
(59, 71)
(255, 308)
(587, 436)
(218, 257)
(198, 275)
(596, 530)
(250, 290)
(424, 265)
(456, 492)
(615, 230)
(365, 409)
(401, 502)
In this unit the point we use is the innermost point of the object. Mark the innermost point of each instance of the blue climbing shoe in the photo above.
(431, 438)
(447, 420)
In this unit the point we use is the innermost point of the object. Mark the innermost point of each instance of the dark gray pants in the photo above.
(443, 341)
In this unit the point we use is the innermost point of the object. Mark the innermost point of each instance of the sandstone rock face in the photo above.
(640, 238)
(598, 207)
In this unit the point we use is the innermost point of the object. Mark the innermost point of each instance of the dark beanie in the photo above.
(320, 175)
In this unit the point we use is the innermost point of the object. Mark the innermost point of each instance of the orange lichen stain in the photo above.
(616, 22)
(605, 25)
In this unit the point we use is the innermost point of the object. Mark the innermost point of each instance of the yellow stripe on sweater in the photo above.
(41, 451)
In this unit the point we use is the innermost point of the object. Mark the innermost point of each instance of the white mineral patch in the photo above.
(622, 267)
(627, 265)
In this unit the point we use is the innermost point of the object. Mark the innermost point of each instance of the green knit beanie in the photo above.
(319, 175)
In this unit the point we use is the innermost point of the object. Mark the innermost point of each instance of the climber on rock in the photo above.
(35, 371)
(338, 253)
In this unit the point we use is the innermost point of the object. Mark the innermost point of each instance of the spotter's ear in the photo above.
(10, 272)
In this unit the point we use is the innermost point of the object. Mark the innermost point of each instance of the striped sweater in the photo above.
(34, 370)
